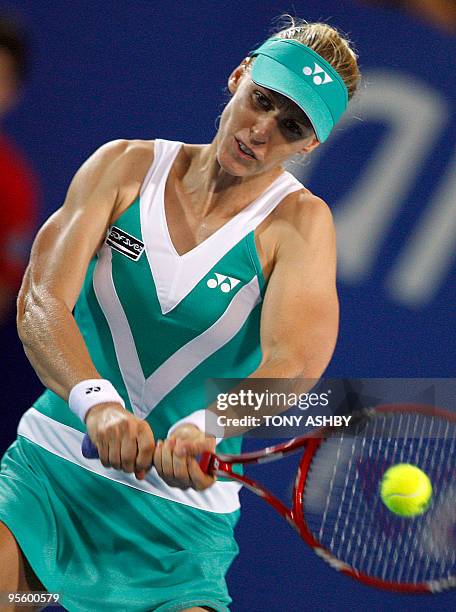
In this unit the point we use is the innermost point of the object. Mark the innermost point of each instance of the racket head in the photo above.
(338, 511)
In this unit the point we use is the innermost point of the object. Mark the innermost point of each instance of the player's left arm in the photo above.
(300, 314)
(299, 325)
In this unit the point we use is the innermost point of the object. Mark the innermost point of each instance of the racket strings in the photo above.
(344, 511)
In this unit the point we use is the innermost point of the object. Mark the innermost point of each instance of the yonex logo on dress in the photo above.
(226, 283)
(316, 72)
(92, 390)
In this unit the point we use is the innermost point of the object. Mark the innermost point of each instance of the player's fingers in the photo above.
(195, 447)
(103, 453)
(158, 457)
(128, 450)
(200, 480)
(114, 454)
(167, 460)
(180, 469)
(146, 445)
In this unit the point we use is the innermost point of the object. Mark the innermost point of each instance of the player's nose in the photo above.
(261, 131)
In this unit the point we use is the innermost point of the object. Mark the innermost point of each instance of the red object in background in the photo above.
(18, 213)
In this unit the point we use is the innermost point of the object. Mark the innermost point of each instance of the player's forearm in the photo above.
(53, 343)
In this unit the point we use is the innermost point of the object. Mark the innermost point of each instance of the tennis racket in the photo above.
(336, 505)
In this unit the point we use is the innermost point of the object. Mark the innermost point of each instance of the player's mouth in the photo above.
(244, 151)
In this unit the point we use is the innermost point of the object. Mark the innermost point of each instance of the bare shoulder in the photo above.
(109, 179)
(306, 213)
(123, 149)
(123, 164)
(117, 161)
(300, 225)
(135, 155)
(128, 160)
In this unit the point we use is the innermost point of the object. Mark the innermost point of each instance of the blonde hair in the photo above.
(328, 42)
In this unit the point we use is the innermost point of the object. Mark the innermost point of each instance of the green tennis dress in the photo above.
(158, 325)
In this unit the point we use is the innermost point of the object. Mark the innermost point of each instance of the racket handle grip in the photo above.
(205, 462)
(88, 448)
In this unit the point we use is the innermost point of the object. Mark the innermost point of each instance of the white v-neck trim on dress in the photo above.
(176, 275)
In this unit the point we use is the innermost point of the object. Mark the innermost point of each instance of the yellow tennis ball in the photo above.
(406, 490)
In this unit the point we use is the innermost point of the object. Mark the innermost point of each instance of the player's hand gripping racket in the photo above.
(337, 507)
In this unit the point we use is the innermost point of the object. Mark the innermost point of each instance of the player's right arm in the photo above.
(59, 259)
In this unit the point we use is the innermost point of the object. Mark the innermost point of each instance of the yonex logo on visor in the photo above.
(316, 72)
(299, 73)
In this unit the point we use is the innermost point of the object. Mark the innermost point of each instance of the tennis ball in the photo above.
(406, 490)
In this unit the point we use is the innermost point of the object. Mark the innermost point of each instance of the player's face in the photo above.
(259, 129)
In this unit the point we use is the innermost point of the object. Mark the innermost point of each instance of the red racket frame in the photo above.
(221, 465)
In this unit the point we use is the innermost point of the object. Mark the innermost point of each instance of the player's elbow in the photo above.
(315, 363)
(309, 354)
(24, 314)
(319, 351)
(309, 364)
(296, 364)
(31, 308)
(21, 305)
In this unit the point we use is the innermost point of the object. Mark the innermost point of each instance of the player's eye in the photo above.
(292, 127)
(261, 100)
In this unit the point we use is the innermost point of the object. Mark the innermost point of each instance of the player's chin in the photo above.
(237, 167)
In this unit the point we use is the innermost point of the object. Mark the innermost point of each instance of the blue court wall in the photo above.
(144, 69)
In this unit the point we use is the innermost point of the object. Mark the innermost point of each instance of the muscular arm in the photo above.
(300, 313)
(53, 279)
(60, 256)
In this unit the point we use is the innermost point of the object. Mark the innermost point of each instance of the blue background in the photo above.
(144, 69)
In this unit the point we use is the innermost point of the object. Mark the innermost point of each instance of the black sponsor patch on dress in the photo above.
(125, 243)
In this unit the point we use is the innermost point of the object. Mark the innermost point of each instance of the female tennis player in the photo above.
(169, 264)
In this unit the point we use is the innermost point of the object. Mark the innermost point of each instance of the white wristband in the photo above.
(205, 420)
(89, 393)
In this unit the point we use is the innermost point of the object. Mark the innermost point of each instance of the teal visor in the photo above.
(299, 73)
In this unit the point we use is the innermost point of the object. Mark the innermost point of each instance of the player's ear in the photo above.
(237, 75)
(310, 144)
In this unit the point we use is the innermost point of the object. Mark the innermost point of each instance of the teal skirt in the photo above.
(106, 546)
